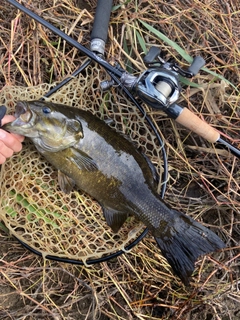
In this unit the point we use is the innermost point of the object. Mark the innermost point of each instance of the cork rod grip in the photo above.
(195, 124)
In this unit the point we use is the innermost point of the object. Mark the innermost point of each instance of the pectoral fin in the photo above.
(82, 160)
(66, 184)
(114, 218)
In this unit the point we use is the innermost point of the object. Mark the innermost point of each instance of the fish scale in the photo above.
(107, 166)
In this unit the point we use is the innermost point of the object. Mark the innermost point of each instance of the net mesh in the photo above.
(32, 205)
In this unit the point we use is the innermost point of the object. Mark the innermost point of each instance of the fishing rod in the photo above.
(158, 86)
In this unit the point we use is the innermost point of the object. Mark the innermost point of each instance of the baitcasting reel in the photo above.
(159, 85)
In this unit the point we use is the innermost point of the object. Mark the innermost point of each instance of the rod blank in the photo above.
(230, 147)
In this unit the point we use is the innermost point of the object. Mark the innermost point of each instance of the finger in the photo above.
(10, 141)
(5, 151)
(9, 118)
(2, 159)
(18, 137)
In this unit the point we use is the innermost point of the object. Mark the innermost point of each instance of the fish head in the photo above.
(50, 126)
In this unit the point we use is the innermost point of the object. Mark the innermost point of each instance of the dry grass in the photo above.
(203, 179)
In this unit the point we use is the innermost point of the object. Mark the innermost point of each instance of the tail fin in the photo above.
(182, 243)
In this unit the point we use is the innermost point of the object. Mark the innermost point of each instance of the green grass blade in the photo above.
(2, 227)
(219, 76)
(189, 83)
(141, 42)
(118, 6)
(171, 43)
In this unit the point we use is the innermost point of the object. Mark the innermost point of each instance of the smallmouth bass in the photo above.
(107, 166)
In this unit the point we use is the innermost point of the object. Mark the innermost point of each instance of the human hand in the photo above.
(9, 142)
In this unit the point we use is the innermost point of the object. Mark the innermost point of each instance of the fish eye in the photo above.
(46, 110)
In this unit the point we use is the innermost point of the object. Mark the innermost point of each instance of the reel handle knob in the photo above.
(152, 55)
(196, 65)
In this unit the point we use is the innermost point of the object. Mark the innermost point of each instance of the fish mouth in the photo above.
(23, 113)
(25, 119)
